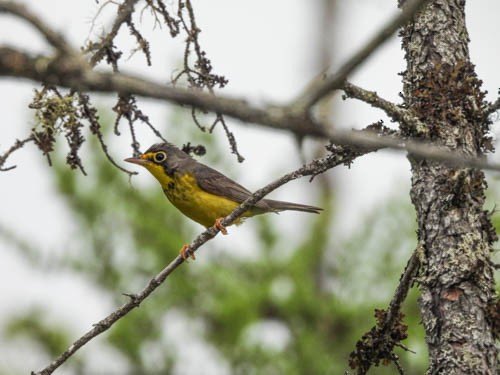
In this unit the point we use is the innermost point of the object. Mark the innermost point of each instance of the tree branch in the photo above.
(16, 146)
(54, 38)
(404, 117)
(322, 87)
(124, 12)
(417, 149)
(405, 282)
(493, 107)
(377, 345)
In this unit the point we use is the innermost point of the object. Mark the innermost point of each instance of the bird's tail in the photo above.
(283, 206)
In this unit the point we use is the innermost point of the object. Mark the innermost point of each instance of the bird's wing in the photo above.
(216, 183)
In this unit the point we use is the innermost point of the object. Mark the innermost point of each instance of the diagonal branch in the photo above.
(404, 117)
(405, 282)
(16, 146)
(312, 169)
(54, 38)
(124, 12)
(378, 343)
(322, 87)
(493, 107)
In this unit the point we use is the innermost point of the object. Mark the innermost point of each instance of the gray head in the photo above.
(164, 155)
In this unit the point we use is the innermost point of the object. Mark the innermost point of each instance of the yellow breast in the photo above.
(185, 194)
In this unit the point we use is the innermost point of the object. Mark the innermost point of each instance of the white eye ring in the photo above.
(159, 156)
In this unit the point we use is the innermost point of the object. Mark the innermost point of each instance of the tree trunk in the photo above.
(456, 234)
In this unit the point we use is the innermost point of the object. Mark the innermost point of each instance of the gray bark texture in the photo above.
(456, 280)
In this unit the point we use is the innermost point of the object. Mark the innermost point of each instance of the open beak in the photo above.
(137, 161)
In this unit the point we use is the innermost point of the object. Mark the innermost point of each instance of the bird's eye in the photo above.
(159, 157)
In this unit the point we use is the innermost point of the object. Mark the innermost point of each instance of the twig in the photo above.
(405, 282)
(124, 12)
(377, 345)
(95, 128)
(229, 135)
(16, 146)
(393, 111)
(199, 75)
(315, 167)
(495, 106)
(322, 87)
(54, 38)
(395, 360)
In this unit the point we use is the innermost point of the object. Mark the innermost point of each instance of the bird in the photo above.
(202, 193)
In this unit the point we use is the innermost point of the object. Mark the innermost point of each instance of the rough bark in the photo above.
(456, 277)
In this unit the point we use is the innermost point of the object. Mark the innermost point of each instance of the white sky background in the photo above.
(264, 48)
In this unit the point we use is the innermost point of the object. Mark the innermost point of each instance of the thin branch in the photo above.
(405, 283)
(229, 135)
(322, 87)
(123, 14)
(416, 149)
(395, 359)
(54, 38)
(312, 169)
(95, 128)
(495, 106)
(16, 146)
(377, 345)
(404, 117)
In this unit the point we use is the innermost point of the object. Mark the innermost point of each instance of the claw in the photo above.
(219, 226)
(183, 254)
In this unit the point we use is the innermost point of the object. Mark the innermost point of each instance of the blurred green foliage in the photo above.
(293, 308)
(32, 325)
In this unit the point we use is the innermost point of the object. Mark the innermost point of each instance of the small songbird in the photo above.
(200, 192)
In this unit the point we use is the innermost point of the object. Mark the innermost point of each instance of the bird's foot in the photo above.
(183, 253)
(218, 224)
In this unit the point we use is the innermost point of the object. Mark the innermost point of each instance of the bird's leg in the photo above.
(183, 254)
(218, 224)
